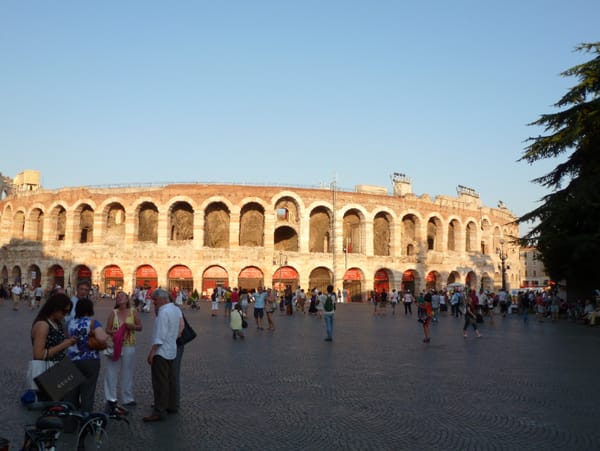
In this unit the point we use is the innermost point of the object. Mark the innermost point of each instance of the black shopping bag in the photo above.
(60, 379)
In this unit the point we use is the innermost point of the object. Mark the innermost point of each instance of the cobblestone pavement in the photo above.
(376, 386)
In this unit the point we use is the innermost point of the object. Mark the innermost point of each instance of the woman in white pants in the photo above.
(124, 321)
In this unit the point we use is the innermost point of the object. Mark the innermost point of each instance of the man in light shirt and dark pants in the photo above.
(167, 327)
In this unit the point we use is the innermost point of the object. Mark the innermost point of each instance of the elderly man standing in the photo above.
(167, 327)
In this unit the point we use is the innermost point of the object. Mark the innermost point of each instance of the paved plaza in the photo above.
(376, 386)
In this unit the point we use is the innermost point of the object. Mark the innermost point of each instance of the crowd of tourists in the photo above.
(66, 327)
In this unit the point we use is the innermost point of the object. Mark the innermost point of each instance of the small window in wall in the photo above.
(410, 250)
(282, 214)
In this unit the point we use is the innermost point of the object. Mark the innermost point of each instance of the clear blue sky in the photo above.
(278, 91)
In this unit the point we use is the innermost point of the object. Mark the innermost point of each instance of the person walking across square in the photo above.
(329, 311)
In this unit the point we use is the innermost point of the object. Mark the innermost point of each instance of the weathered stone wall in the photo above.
(237, 227)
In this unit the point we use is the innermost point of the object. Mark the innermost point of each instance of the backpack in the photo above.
(329, 307)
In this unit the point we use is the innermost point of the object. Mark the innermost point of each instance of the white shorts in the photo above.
(215, 306)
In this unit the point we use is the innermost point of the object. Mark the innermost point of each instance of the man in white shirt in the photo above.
(16, 291)
(161, 358)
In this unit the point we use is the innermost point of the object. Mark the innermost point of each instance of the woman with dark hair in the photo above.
(87, 360)
(47, 334)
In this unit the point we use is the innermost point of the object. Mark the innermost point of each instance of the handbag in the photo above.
(60, 379)
(187, 334)
(93, 343)
(244, 322)
(34, 369)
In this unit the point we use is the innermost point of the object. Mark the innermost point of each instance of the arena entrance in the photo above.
(320, 278)
(112, 279)
(180, 277)
(214, 276)
(251, 278)
(146, 277)
(284, 276)
(353, 285)
(382, 281)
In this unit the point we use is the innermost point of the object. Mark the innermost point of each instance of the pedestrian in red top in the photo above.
(425, 316)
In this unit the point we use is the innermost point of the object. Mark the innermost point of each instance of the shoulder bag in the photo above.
(187, 334)
(93, 343)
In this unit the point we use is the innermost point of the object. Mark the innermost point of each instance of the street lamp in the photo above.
(503, 256)
(282, 260)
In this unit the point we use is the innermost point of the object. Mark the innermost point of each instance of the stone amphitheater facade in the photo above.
(203, 235)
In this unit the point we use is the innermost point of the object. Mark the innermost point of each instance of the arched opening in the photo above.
(34, 276)
(381, 281)
(319, 278)
(251, 278)
(409, 280)
(252, 225)
(181, 222)
(353, 280)
(432, 281)
(148, 223)
(146, 277)
(56, 277)
(180, 278)
(213, 277)
(353, 233)
(284, 276)
(286, 239)
(320, 229)
(381, 234)
(216, 226)
(115, 222)
(112, 279)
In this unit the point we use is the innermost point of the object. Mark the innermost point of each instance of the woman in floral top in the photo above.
(86, 359)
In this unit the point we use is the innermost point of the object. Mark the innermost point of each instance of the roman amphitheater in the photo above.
(197, 235)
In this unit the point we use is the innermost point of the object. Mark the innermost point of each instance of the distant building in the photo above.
(533, 271)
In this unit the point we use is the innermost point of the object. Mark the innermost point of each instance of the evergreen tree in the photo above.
(567, 233)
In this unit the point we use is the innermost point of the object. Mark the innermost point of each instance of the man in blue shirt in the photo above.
(259, 306)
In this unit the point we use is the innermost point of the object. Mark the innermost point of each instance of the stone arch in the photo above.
(354, 231)
(286, 239)
(251, 278)
(434, 234)
(252, 225)
(319, 278)
(353, 285)
(18, 225)
(180, 277)
(34, 276)
(181, 221)
(212, 277)
(16, 275)
(216, 225)
(4, 276)
(287, 211)
(35, 224)
(56, 276)
(382, 233)
(453, 277)
(382, 280)
(486, 244)
(487, 282)
(496, 239)
(471, 237)
(147, 222)
(433, 281)
(111, 276)
(410, 226)
(453, 234)
(84, 223)
(320, 239)
(114, 221)
(471, 281)
(410, 281)
(57, 221)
